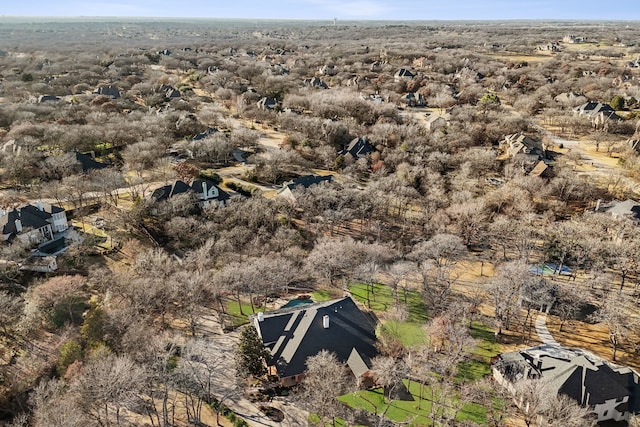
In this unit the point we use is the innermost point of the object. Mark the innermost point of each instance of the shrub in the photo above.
(92, 328)
(211, 175)
(239, 422)
(490, 98)
(245, 190)
(617, 103)
(69, 353)
(68, 310)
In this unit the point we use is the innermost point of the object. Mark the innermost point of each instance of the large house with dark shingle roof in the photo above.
(600, 114)
(293, 334)
(111, 91)
(207, 193)
(88, 163)
(33, 224)
(612, 392)
(301, 182)
(358, 147)
(627, 209)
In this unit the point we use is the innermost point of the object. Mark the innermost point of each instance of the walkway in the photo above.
(227, 386)
(543, 332)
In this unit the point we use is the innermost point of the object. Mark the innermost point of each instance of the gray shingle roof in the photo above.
(88, 163)
(359, 147)
(30, 218)
(577, 373)
(306, 181)
(180, 187)
(629, 208)
(292, 335)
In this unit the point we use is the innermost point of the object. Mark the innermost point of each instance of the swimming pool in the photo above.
(297, 302)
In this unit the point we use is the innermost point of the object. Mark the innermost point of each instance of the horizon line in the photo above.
(314, 19)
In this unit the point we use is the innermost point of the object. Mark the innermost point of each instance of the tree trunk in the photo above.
(561, 264)
(524, 324)
(221, 303)
(165, 407)
(239, 303)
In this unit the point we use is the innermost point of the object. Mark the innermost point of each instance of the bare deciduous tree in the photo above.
(437, 259)
(619, 325)
(53, 406)
(107, 385)
(540, 405)
(199, 371)
(506, 291)
(325, 380)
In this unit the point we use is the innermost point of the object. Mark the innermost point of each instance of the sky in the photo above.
(329, 9)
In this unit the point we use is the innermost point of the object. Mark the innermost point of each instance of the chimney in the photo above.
(39, 205)
(325, 321)
(260, 316)
(537, 363)
(205, 195)
(18, 225)
(598, 205)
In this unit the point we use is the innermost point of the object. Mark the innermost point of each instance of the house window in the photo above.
(604, 414)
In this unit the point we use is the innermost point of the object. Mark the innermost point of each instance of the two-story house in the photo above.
(33, 224)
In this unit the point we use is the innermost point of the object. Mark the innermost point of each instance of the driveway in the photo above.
(598, 164)
(226, 382)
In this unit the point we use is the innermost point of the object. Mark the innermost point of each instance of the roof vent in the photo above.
(325, 321)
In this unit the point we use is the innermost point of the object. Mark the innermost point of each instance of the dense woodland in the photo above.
(123, 337)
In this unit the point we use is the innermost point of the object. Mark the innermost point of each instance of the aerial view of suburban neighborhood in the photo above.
(324, 222)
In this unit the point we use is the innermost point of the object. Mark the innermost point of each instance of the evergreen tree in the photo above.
(617, 103)
(251, 356)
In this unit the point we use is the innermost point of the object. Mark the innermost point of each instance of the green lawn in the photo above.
(233, 311)
(409, 333)
(416, 411)
(381, 299)
(314, 420)
(480, 364)
(487, 346)
(321, 295)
